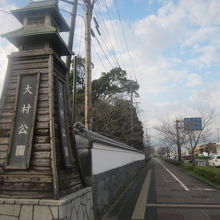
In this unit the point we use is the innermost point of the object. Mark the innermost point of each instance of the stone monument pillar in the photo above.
(37, 159)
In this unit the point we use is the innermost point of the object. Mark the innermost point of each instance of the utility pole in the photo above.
(71, 108)
(74, 90)
(88, 81)
(131, 112)
(178, 140)
(148, 144)
(72, 31)
(68, 60)
(218, 134)
(148, 137)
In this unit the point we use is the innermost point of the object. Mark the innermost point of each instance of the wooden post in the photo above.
(52, 131)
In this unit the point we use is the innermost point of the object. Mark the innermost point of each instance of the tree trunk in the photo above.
(193, 158)
(179, 153)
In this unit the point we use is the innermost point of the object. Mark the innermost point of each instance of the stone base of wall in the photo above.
(76, 206)
(107, 185)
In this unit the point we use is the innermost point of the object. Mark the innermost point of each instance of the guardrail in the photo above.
(201, 163)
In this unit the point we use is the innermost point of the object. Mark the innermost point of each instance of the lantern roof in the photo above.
(50, 6)
(40, 33)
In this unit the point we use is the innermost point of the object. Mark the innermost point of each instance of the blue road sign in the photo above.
(192, 124)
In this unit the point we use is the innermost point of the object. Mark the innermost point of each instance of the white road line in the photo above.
(140, 207)
(184, 205)
(205, 189)
(180, 182)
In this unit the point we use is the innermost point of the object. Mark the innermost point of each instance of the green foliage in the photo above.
(80, 70)
(202, 158)
(111, 111)
(187, 166)
(210, 173)
(113, 120)
(113, 84)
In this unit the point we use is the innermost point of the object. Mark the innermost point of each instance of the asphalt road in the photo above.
(162, 192)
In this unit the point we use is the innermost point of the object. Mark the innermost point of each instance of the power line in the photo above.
(72, 3)
(103, 51)
(80, 42)
(126, 42)
(104, 30)
(99, 57)
(70, 13)
(97, 41)
(115, 61)
(114, 32)
(80, 36)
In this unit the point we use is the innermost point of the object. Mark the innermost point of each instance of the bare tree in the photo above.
(175, 134)
(167, 145)
(149, 148)
(195, 137)
(172, 134)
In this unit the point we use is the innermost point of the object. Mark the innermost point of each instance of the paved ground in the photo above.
(162, 192)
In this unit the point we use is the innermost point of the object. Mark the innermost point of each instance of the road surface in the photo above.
(163, 192)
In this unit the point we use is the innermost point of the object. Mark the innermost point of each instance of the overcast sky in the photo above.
(172, 48)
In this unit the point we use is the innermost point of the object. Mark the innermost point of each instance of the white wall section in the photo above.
(105, 157)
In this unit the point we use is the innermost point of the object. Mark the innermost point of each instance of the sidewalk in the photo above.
(123, 208)
(162, 192)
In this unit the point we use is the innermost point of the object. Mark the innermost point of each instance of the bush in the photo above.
(187, 166)
(202, 157)
(212, 174)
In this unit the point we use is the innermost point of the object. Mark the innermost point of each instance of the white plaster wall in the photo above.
(106, 158)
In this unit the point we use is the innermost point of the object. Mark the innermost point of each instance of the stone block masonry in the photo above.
(76, 206)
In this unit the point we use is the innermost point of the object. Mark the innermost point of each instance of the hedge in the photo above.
(187, 166)
(203, 158)
(210, 173)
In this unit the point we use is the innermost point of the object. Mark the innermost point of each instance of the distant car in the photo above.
(187, 158)
(214, 160)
